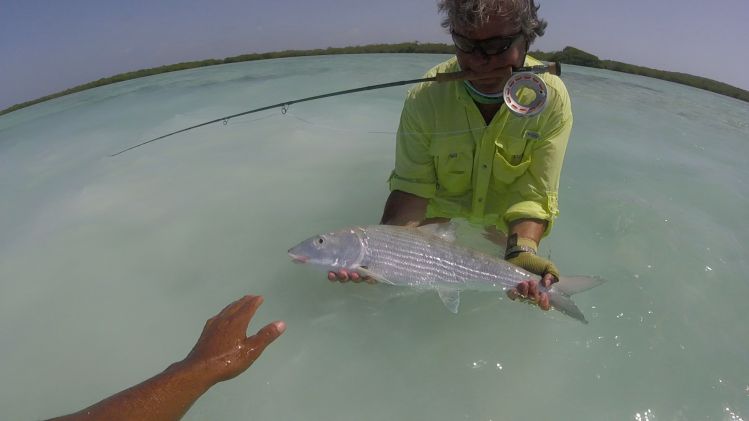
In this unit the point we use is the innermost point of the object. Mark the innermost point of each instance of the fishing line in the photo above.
(554, 68)
(384, 132)
(291, 114)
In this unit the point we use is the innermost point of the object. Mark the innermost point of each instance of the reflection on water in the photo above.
(110, 266)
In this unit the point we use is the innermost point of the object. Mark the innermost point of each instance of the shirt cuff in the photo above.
(529, 210)
(425, 190)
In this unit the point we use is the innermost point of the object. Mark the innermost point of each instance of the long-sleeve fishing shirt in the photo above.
(490, 175)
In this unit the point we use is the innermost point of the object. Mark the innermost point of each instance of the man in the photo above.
(461, 153)
(222, 352)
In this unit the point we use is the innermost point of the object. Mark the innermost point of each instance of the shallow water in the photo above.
(110, 266)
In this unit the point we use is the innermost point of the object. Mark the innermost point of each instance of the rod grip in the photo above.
(555, 68)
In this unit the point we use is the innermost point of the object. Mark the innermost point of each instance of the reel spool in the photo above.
(526, 80)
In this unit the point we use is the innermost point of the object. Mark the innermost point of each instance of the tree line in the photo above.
(568, 55)
(572, 55)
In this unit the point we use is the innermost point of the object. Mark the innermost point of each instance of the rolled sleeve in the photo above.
(425, 190)
(529, 210)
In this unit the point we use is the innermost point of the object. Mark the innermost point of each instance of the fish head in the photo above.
(334, 250)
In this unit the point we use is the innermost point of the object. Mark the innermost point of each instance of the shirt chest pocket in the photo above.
(454, 166)
(512, 157)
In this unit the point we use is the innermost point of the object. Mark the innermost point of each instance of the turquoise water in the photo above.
(110, 266)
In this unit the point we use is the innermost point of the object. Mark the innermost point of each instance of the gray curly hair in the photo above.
(473, 13)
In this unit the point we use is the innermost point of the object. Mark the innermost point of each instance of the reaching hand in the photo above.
(223, 350)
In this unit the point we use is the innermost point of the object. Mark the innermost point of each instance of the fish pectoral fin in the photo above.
(363, 271)
(451, 298)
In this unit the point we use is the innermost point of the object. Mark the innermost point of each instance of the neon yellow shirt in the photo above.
(490, 175)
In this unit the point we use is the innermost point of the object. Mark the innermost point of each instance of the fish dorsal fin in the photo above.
(377, 277)
(451, 298)
(443, 230)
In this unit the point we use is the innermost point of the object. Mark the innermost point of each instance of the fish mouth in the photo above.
(298, 259)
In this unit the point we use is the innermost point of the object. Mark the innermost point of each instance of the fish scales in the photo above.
(423, 260)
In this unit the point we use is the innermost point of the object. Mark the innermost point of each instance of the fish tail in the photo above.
(560, 293)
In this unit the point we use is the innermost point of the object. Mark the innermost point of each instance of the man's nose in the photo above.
(480, 59)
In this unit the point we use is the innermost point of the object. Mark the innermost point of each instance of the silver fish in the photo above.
(428, 258)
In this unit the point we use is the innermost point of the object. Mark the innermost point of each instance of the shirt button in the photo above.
(484, 166)
(481, 199)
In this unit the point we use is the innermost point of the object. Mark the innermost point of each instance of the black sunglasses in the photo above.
(489, 47)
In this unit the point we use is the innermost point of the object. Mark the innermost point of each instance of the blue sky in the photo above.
(48, 46)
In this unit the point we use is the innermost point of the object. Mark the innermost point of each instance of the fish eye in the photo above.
(320, 240)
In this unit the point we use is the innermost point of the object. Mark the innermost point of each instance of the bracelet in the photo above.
(516, 245)
(517, 249)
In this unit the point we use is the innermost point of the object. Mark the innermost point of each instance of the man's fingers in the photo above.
(247, 312)
(266, 335)
(522, 288)
(355, 277)
(548, 280)
(533, 290)
(543, 302)
(235, 306)
(528, 292)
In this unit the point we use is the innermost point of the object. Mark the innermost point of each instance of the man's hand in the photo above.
(346, 275)
(528, 290)
(521, 251)
(223, 350)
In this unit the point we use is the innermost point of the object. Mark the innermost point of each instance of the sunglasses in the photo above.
(489, 47)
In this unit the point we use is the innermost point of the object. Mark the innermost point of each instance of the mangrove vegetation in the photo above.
(568, 55)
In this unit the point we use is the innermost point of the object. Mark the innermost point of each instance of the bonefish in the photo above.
(419, 258)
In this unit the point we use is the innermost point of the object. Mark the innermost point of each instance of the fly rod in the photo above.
(553, 68)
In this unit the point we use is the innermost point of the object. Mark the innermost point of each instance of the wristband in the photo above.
(517, 245)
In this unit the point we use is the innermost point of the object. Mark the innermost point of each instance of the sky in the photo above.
(49, 45)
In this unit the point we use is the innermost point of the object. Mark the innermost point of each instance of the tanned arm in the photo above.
(222, 352)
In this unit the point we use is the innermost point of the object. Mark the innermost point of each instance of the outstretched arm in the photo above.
(222, 352)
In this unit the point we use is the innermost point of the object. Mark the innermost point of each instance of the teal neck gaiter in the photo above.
(481, 97)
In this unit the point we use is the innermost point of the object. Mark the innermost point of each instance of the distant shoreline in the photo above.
(569, 55)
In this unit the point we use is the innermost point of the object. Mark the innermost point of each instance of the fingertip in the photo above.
(550, 280)
(331, 276)
(251, 301)
(533, 290)
(269, 332)
(280, 326)
(543, 302)
(522, 288)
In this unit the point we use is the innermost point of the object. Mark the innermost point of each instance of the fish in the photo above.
(429, 258)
